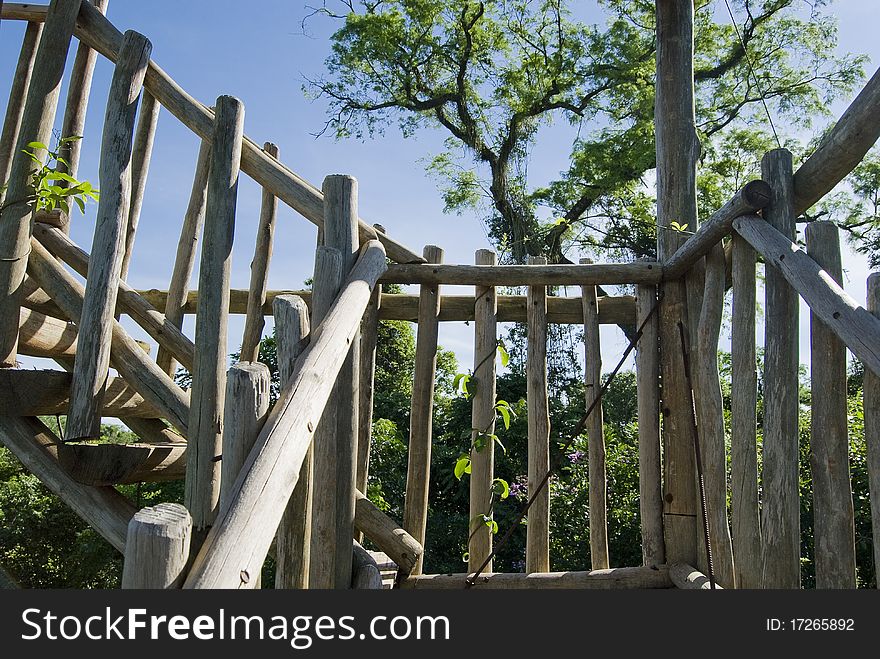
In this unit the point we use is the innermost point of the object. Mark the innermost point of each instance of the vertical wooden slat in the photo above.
(595, 430)
(871, 402)
(95, 326)
(292, 542)
(186, 251)
(321, 564)
(710, 416)
(538, 528)
(36, 124)
(483, 418)
(209, 374)
(780, 522)
(253, 324)
(157, 547)
(15, 105)
(648, 401)
(747, 556)
(418, 472)
(140, 166)
(677, 152)
(369, 339)
(833, 523)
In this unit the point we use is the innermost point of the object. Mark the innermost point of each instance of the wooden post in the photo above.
(871, 408)
(293, 540)
(648, 401)
(483, 419)
(747, 556)
(36, 124)
(102, 285)
(253, 324)
(193, 221)
(208, 381)
(369, 339)
(238, 543)
(538, 528)
(833, 523)
(140, 166)
(321, 560)
(677, 152)
(780, 524)
(595, 430)
(710, 416)
(157, 547)
(15, 106)
(418, 471)
(386, 534)
(365, 573)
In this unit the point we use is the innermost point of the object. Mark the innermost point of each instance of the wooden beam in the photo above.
(45, 336)
(369, 340)
(15, 105)
(105, 509)
(688, 578)
(365, 573)
(418, 469)
(753, 196)
(157, 547)
(122, 464)
(611, 579)
(871, 407)
(386, 534)
(99, 304)
(833, 524)
(239, 540)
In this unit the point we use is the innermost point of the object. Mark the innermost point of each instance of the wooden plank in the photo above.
(209, 372)
(327, 279)
(157, 547)
(369, 339)
(386, 534)
(780, 522)
(595, 431)
(45, 336)
(613, 309)
(871, 407)
(538, 527)
(253, 325)
(103, 508)
(193, 221)
(15, 104)
(648, 404)
(294, 537)
(611, 579)
(525, 275)
(418, 470)
(126, 356)
(36, 124)
(142, 153)
(745, 510)
(95, 323)
(753, 196)
(128, 301)
(121, 464)
(483, 419)
(677, 150)
(833, 523)
(841, 149)
(42, 392)
(710, 416)
(239, 540)
(688, 578)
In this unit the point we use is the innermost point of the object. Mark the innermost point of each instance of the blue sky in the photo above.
(260, 55)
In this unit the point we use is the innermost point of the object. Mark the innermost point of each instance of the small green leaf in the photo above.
(505, 356)
(38, 145)
(81, 204)
(462, 466)
(491, 523)
(71, 138)
(466, 557)
(501, 488)
(505, 416)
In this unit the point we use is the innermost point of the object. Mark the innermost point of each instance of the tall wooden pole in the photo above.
(872, 427)
(677, 152)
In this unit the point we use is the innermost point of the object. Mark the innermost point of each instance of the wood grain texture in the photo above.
(482, 419)
(871, 407)
(386, 534)
(744, 499)
(36, 125)
(108, 244)
(45, 336)
(611, 579)
(780, 522)
(239, 540)
(157, 547)
(688, 578)
(369, 340)
(833, 523)
(121, 464)
(253, 324)
(538, 527)
(209, 372)
(648, 404)
(365, 573)
(418, 470)
(15, 104)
